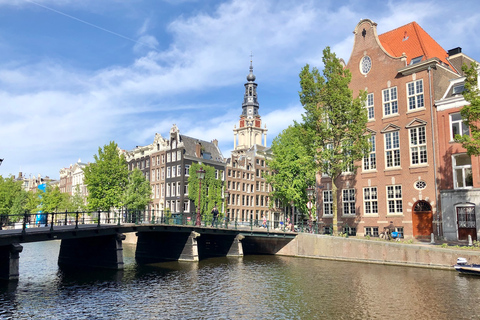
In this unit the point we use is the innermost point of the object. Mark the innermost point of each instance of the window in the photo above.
(174, 156)
(168, 157)
(179, 171)
(327, 203)
(392, 149)
(168, 172)
(163, 173)
(394, 199)
(415, 95)
(370, 108)
(458, 89)
(179, 155)
(462, 171)
(390, 103)
(173, 171)
(418, 146)
(187, 170)
(458, 126)
(348, 200)
(371, 231)
(370, 200)
(179, 188)
(370, 161)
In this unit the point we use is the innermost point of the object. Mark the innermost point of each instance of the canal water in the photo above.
(252, 287)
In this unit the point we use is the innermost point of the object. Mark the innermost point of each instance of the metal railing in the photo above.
(123, 216)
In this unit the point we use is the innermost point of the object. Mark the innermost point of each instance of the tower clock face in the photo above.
(365, 65)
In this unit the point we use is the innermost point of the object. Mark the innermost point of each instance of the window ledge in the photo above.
(369, 171)
(375, 215)
(416, 110)
(390, 116)
(395, 214)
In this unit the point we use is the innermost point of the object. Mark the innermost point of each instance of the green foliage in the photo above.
(12, 196)
(53, 200)
(211, 192)
(138, 191)
(293, 168)
(471, 112)
(334, 123)
(77, 201)
(106, 178)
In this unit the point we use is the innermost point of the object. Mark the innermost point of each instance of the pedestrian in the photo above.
(389, 230)
(215, 214)
(264, 221)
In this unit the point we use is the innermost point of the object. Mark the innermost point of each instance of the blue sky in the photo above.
(75, 75)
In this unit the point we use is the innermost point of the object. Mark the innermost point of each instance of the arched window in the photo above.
(422, 206)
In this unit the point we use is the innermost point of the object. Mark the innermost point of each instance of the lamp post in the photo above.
(310, 190)
(1, 160)
(226, 196)
(200, 176)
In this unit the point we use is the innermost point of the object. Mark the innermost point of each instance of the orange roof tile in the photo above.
(412, 40)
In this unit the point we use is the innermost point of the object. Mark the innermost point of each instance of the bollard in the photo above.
(432, 238)
(470, 243)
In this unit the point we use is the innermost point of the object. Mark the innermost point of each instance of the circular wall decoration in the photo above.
(420, 185)
(365, 65)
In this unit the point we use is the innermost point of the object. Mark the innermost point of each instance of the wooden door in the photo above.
(422, 219)
(466, 223)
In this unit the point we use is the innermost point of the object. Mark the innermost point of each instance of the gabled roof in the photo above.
(208, 148)
(412, 40)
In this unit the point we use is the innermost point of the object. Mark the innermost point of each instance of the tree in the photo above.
(106, 178)
(293, 169)
(53, 200)
(471, 112)
(211, 193)
(12, 197)
(138, 191)
(77, 201)
(334, 123)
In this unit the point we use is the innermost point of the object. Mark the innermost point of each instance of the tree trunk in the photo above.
(334, 209)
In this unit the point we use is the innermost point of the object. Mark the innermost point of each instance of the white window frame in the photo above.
(327, 203)
(415, 96)
(392, 149)
(370, 107)
(390, 101)
(461, 126)
(394, 199)
(418, 146)
(370, 161)
(370, 201)
(348, 202)
(463, 169)
(168, 172)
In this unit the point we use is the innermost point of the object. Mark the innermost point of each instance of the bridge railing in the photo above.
(123, 216)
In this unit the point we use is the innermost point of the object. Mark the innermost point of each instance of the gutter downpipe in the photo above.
(434, 151)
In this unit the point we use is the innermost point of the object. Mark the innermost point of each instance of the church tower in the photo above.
(249, 131)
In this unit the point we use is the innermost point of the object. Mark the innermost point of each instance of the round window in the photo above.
(420, 185)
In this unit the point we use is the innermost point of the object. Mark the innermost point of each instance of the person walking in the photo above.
(215, 214)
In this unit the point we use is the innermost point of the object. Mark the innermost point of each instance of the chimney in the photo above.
(454, 51)
(198, 150)
(215, 142)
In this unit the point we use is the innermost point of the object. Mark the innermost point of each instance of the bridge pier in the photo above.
(154, 246)
(97, 252)
(9, 261)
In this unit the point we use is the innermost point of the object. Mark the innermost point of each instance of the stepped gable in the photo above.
(412, 40)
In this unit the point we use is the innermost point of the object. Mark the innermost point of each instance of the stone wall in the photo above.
(376, 251)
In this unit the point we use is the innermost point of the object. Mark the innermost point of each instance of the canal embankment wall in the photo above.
(376, 251)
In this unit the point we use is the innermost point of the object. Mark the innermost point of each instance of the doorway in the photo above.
(422, 219)
(466, 222)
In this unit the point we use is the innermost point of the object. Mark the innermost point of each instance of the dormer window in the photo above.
(416, 60)
(458, 89)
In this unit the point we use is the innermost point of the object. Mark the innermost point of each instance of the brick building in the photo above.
(404, 72)
(248, 191)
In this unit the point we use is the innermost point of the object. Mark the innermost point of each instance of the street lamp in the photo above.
(200, 176)
(226, 196)
(310, 191)
(1, 160)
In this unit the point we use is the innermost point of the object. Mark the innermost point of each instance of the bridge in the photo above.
(92, 244)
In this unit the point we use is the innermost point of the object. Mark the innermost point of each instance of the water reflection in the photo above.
(253, 287)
